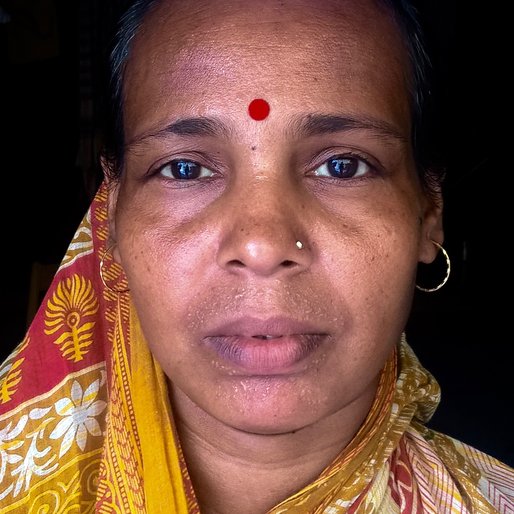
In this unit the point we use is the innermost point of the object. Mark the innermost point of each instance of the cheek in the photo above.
(372, 245)
(162, 263)
(156, 235)
(164, 273)
(370, 264)
(161, 257)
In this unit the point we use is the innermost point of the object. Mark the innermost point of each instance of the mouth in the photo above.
(265, 347)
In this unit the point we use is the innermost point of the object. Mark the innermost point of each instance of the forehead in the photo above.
(287, 49)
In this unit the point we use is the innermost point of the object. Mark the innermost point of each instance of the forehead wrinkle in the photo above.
(199, 24)
(203, 30)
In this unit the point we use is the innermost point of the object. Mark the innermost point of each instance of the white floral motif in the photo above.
(28, 466)
(78, 413)
(8, 443)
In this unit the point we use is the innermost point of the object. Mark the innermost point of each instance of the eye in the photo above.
(343, 166)
(183, 169)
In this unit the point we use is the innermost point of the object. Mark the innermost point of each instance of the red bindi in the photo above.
(259, 109)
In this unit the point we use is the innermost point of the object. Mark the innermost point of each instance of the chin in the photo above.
(269, 410)
(266, 426)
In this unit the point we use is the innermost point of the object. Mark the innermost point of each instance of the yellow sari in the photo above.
(86, 424)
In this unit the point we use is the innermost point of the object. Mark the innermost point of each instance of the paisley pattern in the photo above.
(10, 373)
(86, 425)
(69, 315)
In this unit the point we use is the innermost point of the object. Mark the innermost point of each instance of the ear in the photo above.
(112, 200)
(431, 227)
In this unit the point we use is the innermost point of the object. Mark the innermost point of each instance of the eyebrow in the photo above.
(308, 125)
(318, 124)
(197, 126)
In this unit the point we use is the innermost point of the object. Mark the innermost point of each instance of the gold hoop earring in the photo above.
(106, 252)
(448, 269)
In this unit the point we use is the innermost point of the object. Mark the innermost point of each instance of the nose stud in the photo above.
(299, 245)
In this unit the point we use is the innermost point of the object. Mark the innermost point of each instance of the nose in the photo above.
(264, 235)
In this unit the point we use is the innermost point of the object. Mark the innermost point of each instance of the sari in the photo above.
(86, 423)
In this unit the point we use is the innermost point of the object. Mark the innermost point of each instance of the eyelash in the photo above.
(202, 161)
(373, 169)
(184, 166)
(360, 159)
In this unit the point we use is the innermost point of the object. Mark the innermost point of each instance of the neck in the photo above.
(237, 471)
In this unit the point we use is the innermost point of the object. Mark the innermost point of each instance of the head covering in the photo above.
(86, 422)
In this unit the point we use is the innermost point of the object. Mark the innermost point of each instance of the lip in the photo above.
(242, 344)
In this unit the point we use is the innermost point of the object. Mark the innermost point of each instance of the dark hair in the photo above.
(128, 26)
(406, 17)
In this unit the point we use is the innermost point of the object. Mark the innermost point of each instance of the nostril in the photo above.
(288, 264)
(235, 263)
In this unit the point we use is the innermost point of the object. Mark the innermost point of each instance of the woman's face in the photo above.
(261, 334)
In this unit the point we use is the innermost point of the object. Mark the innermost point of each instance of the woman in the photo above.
(225, 332)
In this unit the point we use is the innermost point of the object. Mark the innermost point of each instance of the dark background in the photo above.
(50, 110)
